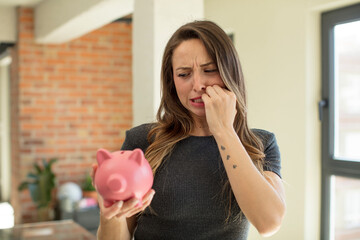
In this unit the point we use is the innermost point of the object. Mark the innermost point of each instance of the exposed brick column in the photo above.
(73, 98)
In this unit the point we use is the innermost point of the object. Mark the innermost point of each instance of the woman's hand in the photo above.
(123, 208)
(220, 108)
(126, 209)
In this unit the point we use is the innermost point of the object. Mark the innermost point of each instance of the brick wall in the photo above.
(71, 100)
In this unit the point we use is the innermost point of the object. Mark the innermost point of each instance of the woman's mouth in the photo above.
(197, 102)
(197, 99)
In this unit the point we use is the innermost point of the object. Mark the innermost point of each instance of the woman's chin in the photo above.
(198, 113)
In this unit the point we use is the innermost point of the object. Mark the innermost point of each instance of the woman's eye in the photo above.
(210, 70)
(183, 74)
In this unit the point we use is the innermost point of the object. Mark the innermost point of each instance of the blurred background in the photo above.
(76, 74)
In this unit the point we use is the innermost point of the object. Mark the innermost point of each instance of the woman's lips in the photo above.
(197, 102)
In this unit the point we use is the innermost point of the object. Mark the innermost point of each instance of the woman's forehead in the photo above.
(190, 52)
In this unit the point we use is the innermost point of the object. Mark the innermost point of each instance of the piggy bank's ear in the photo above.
(102, 155)
(137, 155)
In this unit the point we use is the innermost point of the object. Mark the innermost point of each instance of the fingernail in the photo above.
(136, 202)
(119, 204)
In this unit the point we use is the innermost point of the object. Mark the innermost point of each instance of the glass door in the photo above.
(347, 91)
(340, 108)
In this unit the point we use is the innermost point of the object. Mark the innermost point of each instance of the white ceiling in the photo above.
(59, 21)
(19, 2)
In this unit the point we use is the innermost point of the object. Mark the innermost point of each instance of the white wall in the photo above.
(5, 161)
(7, 24)
(279, 47)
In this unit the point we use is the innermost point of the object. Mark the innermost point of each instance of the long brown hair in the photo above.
(174, 121)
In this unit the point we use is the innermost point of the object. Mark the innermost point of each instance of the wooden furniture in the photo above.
(54, 230)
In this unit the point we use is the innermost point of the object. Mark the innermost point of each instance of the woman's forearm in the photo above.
(260, 201)
(113, 229)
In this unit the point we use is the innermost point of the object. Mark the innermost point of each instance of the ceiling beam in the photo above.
(57, 22)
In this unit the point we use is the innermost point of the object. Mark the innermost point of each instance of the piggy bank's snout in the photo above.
(116, 183)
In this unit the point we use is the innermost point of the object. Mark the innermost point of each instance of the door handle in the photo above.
(321, 105)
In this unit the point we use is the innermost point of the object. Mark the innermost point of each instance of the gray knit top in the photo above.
(189, 203)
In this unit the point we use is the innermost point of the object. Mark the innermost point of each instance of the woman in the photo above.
(212, 174)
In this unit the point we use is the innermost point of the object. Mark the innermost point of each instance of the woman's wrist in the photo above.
(225, 133)
(112, 228)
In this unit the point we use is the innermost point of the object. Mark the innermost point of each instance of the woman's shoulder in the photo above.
(140, 130)
(263, 134)
(272, 161)
(267, 137)
(136, 137)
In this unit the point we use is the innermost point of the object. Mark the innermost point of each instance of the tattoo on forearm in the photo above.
(227, 156)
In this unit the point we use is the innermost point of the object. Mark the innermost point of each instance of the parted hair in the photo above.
(174, 122)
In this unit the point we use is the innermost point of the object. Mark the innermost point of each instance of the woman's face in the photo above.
(193, 71)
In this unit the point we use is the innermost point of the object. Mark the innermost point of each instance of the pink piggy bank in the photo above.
(122, 175)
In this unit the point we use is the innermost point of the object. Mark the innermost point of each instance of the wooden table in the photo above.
(54, 230)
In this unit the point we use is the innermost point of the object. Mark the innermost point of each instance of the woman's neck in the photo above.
(201, 132)
(201, 128)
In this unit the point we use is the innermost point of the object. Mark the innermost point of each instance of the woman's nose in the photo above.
(199, 83)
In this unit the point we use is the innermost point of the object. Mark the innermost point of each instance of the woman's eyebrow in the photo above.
(183, 68)
(206, 64)
(202, 65)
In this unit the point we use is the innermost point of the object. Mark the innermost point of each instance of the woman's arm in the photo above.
(116, 228)
(113, 221)
(261, 198)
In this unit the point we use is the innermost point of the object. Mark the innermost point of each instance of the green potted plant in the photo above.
(41, 185)
(88, 188)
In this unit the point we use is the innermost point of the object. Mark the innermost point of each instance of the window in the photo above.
(340, 114)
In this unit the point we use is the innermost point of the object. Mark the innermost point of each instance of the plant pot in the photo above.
(45, 214)
(90, 194)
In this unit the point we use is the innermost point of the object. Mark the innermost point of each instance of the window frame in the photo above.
(330, 165)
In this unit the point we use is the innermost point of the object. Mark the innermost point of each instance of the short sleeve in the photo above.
(128, 145)
(136, 138)
(272, 160)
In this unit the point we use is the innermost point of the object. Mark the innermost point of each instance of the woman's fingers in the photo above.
(94, 168)
(129, 205)
(149, 195)
(92, 174)
(217, 89)
(145, 203)
(127, 208)
(212, 92)
(112, 211)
